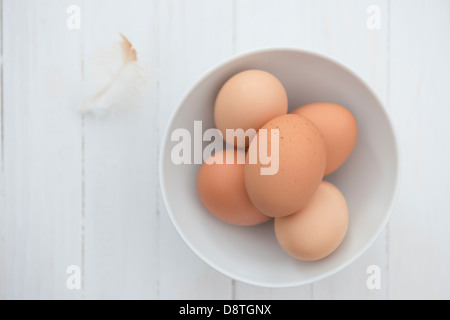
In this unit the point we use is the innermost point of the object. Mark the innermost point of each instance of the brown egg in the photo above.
(317, 230)
(301, 164)
(221, 189)
(338, 127)
(247, 101)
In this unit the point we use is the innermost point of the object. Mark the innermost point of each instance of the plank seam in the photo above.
(388, 102)
(158, 143)
(1, 97)
(2, 159)
(83, 182)
(233, 48)
(234, 35)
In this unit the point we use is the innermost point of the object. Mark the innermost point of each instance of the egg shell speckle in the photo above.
(302, 160)
(338, 127)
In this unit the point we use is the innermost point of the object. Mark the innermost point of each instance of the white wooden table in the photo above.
(84, 191)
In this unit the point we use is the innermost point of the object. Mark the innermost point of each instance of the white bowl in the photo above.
(368, 179)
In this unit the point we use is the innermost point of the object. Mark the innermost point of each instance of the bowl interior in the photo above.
(368, 179)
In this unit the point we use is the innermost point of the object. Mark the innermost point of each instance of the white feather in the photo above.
(113, 79)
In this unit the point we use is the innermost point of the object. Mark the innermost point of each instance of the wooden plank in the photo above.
(419, 252)
(340, 31)
(120, 164)
(130, 247)
(2, 179)
(42, 150)
(261, 24)
(193, 36)
(265, 23)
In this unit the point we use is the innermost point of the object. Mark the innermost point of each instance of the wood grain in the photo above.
(120, 174)
(193, 37)
(419, 247)
(2, 174)
(42, 150)
(84, 190)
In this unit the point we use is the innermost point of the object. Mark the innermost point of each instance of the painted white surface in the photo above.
(84, 191)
